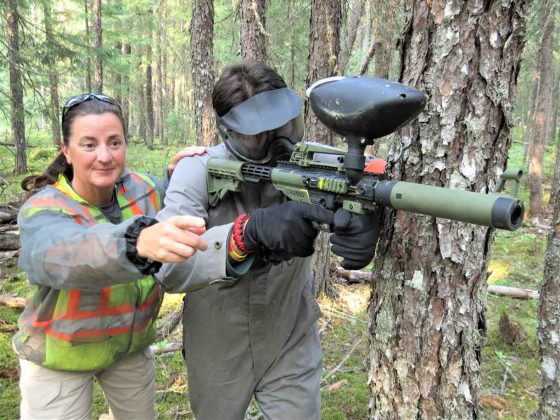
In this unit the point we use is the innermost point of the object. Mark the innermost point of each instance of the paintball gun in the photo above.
(362, 109)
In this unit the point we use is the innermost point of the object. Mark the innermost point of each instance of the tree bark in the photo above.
(427, 307)
(324, 47)
(159, 74)
(546, 71)
(53, 78)
(351, 32)
(549, 322)
(16, 86)
(253, 30)
(202, 67)
(97, 45)
(88, 55)
(149, 91)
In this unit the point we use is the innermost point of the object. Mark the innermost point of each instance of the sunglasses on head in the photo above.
(84, 97)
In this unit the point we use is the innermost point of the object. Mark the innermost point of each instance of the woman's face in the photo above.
(97, 153)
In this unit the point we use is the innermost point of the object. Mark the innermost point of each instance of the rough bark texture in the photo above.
(542, 107)
(97, 45)
(549, 322)
(159, 74)
(202, 65)
(53, 78)
(253, 30)
(149, 89)
(88, 58)
(16, 87)
(384, 31)
(351, 33)
(427, 309)
(324, 47)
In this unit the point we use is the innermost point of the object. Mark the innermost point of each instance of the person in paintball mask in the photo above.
(253, 333)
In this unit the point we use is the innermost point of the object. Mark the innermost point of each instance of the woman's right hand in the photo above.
(174, 240)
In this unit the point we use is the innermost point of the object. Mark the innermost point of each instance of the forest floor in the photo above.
(509, 370)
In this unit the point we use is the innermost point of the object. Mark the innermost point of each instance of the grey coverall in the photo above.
(253, 335)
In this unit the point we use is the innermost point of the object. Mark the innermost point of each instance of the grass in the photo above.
(509, 373)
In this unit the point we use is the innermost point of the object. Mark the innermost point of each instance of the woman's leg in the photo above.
(130, 387)
(52, 394)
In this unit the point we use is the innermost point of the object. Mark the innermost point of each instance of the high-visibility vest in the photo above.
(79, 330)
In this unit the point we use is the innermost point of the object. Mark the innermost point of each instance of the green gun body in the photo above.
(315, 175)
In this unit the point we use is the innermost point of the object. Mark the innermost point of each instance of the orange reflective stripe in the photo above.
(73, 302)
(104, 297)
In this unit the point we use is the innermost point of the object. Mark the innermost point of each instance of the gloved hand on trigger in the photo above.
(355, 238)
(286, 230)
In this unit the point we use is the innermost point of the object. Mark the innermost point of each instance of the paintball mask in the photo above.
(264, 128)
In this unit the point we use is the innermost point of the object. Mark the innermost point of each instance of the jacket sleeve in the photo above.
(62, 254)
(187, 195)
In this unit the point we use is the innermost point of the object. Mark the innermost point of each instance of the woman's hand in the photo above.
(174, 240)
(186, 152)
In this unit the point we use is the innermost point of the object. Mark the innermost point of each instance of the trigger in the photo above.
(322, 227)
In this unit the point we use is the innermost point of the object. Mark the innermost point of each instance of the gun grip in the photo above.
(342, 218)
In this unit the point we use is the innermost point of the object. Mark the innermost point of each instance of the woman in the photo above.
(89, 244)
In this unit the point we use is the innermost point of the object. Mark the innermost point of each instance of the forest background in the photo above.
(487, 355)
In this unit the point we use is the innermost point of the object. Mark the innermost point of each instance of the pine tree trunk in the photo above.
(427, 308)
(351, 32)
(549, 322)
(202, 62)
(16, 87)
(159, 74)
(324, 47)
(149, 90)
(53, 79)
(88, 57)
(97, 45)
(126, 51)
(253, 30)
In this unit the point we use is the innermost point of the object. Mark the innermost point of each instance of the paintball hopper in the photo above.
(361, 109)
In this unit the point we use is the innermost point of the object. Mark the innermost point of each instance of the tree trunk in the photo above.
(97, 45)
(16, 87)
(351, 32)
(159, 72)
(427, 308)
(324, 47)
(126, 51)
(384, 36)
(546, 71)
(202, 67)
(53, 78)
(88, 55)
(528, 137)
(549, 322)
(253, 30)
(149, 90)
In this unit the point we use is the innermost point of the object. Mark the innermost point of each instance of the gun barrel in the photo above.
(492, 210)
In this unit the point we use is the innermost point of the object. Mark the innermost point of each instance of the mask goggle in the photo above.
(265, 127)
(84, 97)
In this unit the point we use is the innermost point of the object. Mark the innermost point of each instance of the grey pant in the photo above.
(289, 390)
(129, 386)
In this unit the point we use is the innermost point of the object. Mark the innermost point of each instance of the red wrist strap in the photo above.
(238, 230)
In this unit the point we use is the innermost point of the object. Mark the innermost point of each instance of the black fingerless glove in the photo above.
(355, 238)
(144, 265)
(285, 230)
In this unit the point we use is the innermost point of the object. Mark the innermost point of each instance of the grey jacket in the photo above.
(253, 315)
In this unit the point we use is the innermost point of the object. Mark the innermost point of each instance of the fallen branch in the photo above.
(9, 243)
(13, 301)
(348, 355)
(351, 276)
(168, 348)
(169, 323)
(513, 292)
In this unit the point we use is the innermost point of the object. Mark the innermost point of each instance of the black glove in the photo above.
(286, 230)
(355, 238)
